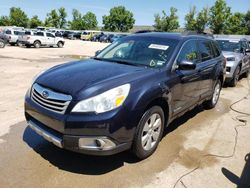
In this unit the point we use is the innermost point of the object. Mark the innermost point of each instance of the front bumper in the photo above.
(83, 133)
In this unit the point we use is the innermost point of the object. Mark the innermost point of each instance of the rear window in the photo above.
(206, 50)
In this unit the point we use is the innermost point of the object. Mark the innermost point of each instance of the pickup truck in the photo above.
(42, 38)
(13, 36)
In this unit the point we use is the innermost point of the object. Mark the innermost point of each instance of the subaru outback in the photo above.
(126, 95)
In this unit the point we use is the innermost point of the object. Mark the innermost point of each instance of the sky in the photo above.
(143, 10)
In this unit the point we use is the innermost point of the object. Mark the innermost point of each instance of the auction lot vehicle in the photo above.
(42, 38)
(3, 40)
(87, 35)
(13, 35)
(126, 95)
(236, 52)
(106, 38)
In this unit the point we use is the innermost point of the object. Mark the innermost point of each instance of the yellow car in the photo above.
(87, 35)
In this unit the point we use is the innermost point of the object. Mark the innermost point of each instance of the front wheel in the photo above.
(211, 103)
(149, 132)
(37, 44)
(60, 44)
(2, 44)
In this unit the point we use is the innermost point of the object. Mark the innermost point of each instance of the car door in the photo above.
(207, 66)
(50, 40)
(246, 56)
(185, 91)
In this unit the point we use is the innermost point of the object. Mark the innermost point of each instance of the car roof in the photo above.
(231, 38)
(176, 36)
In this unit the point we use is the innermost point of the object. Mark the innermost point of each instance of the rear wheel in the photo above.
(60, 44)
(37, 44)
(19, 43)
(236, 77)
(246, 74)
(149, 132)
(2, 44)
(211, 103)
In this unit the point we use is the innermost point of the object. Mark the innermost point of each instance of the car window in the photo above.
(39, 34)
(189, 52)
(217, 51)
(27, 33)
(206, 51)
(16, 32)
(49, 35)
(8, 32)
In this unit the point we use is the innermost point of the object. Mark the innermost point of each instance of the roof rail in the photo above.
(186, 33)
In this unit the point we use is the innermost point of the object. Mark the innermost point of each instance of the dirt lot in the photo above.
(204, 148)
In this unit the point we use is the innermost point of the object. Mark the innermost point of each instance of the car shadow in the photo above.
(90, 165)
(244, 180)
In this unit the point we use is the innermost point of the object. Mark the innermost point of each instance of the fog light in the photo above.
(96, 143)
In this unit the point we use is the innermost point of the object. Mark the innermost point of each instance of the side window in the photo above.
(8, 32)
(217, 51)
(16, 32)
(39, 34)
(206, 50)
(189, 52)
(49, 35)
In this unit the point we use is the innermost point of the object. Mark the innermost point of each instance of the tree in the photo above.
(167, 23)
(202, 20)
(4, 21)
(81, 22)
(236, 24)
(52, 19)
(247, 22)
(62, 17)
(190, 19)
(35, 22)
(219, 15)
(119, 19)
(18, 17)
(90, 20)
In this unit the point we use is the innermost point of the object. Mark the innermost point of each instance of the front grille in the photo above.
(49, 99)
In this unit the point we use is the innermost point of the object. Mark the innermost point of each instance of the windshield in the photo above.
(229, 45)
(151, 52)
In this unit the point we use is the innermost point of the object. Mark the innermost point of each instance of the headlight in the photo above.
(104, 102)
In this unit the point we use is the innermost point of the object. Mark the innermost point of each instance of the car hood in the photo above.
(91, 75)
(231, 54)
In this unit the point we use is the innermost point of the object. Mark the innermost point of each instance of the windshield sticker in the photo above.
(158, 47)
(160, 63)
(234, 41)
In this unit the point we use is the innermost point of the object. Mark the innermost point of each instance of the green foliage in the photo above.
(35, 22)
(119, 19)
(4, 21)
(202, 19)
(18, 17)
(82, 22)
(56, 18)
(247, 22)
(167, 22)
(190, 19)
(219, 15)
(235, 24)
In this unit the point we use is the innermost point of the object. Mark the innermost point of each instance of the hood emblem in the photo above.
(45, 94)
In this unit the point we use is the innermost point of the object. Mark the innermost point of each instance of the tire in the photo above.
(246, 74)
(27, 46)
(19, 43)
(211, 103)
(236, 77)
(2, 44)
(60, 44)
(37, 44)
(145, 131)
(12, 44)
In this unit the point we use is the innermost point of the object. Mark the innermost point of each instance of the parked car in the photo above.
(236, 52)
(87, 35)
(116, 37)
(23, 37)
(97, 37)
(13, 35)
(106, 38)
(126, 95)
(42, 38)
(3, 40)
(73, 36)
(66, 34)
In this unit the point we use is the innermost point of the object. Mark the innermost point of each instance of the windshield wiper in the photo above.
(118, 61)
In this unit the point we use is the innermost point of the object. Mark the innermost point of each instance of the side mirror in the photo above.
(97, 52)
(187, 65)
